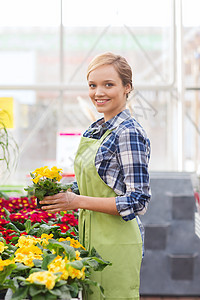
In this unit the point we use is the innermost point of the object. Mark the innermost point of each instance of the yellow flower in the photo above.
(45, 172)
(47, 236)
(58, 177)
(36, 179)
(27, 241)
(2, 247)
(74, 273)
(59, 265)
(30, 249)
(73, 243)
(46, 277)
(40, 171)
(27, 259)
(78, 255)
(44, 239)
(48, 174)
(6, 262)
(80, 274)
(55, 169)
(27, 250)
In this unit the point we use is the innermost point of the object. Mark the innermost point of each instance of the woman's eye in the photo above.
(109, 84)
(91, 85)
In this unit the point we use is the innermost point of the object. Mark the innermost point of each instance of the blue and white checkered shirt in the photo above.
(122, 162)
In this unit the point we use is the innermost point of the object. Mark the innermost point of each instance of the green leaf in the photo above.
(77, 264)
(44, 228)
(65, 291)
(39, 297)
(53, 244)
(35, 225)
(27, 225)
(39, 193)
(33, 270)
(13, 227)
(74, 289)
(21, 293)
(47, 260)
(21, 267)
(8, 284)
(37, 263)
(29, 189)
(7, 270)
(101, 262)
(2, 240)
(56, 292)
(84, 253)
(92, 263)
(35, 290)
(7, 214)
(19, 225)
(3, 195)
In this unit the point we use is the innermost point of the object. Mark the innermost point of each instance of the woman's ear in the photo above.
(128, 88)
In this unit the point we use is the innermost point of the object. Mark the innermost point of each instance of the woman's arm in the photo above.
(71, 201)
(133, 157)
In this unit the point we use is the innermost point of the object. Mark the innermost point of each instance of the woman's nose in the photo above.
(99, 91)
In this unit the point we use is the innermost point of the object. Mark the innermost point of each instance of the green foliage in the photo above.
(7, 270)
(14, 275)
(46, 187)
(3, 195)
(60, 247)
(8, 150)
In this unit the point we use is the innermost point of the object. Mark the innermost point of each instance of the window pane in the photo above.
(35, 129)
(145, 41)
(156, 111)
(29, 48)
(192, 130)
(191, 42)
(28, 13)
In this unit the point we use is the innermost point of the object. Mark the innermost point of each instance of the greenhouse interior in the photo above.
(45, 108)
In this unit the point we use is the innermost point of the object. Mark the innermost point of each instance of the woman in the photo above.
(111, 168)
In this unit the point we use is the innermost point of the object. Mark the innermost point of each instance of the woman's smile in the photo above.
(101, 101)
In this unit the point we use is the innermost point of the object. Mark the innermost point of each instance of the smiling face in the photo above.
(106, 91)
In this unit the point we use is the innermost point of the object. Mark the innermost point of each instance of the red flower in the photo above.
(18, 217)
(63, 227)
(3, 221)
(70, 219)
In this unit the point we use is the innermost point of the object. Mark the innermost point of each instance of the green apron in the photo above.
(114, 239)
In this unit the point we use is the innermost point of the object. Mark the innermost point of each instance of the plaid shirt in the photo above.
(122, 162)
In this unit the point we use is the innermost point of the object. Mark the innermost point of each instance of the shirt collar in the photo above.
(118, 119)
(112, 123)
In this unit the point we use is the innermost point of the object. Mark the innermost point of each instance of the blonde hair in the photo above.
(119, 63)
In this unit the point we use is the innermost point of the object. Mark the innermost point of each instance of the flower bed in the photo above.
(40, 255)
(19, 216)
(46, 268)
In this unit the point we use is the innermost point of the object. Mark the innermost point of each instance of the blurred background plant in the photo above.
(9, 152)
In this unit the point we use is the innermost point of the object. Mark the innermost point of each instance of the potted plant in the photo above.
(46, 182)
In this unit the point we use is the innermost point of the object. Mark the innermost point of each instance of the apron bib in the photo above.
(114, 239)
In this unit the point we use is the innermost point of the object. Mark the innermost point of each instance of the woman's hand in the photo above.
(60, 202)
